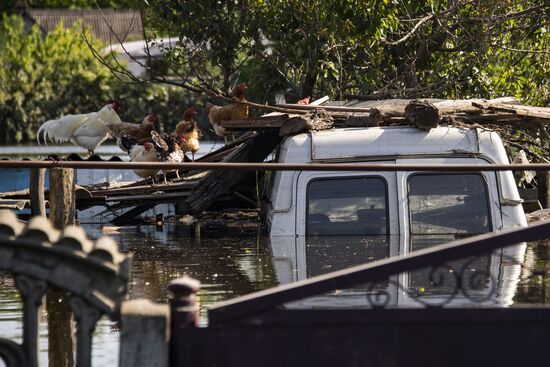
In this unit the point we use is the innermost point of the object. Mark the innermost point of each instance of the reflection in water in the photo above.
(234, 265)
(487, 280)
(227, 267)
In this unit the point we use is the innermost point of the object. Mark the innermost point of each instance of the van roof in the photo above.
(393, 141)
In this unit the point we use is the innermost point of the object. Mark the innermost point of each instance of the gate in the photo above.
(260, 329)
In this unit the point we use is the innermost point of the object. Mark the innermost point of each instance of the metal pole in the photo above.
(358, 167)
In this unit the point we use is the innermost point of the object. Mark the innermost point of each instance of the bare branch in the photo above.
(520, 50)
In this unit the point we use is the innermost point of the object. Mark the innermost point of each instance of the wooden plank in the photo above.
(151, 197)
(256, 123)
(131, 214)
(227, 147)
(319, 101)
(220, 182)
(14, 204)
(188, 185)
(15, 194)
(375, 271)
(326, 108)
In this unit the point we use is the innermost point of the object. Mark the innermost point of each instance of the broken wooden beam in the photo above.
(221, 182)
(172, 196)
(315, 120)
(131, 214)
(227, 147)
(422, 114)
(519, 110)
(256, 123)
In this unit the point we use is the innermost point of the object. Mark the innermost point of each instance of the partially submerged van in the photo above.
(322, 221)
(405, 203)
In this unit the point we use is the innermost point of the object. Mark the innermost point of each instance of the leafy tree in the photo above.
(409, 48)
(44, 77)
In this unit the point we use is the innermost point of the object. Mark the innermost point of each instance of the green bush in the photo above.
(45, 77)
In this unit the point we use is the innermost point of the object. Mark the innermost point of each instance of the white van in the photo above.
(324, 221)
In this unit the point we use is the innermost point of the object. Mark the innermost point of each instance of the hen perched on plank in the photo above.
(232, 111)
(168, 149)
(140, 153)
(137, 131)
(86, 130)
(188, 133)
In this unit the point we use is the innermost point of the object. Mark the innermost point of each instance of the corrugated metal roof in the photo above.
(72, 157)
(103, 22)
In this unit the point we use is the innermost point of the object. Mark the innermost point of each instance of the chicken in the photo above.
(168, 149)
(188, 133)
(232, 111)
(136, 131)
(140, 153)
(87, 130)
(144, 153)
(304, 101)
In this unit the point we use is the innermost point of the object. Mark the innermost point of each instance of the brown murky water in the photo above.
(227, 266)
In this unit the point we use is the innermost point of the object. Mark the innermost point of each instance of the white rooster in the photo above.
(87, 130)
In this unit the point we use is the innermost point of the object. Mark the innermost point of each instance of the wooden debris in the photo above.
(200, 190)
(258, 123)
(317, 119)
(422, 114)
(157, 197)
(220, 182)
(14, 204)
(519, 110)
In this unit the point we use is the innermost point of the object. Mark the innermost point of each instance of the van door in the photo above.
(346, 203)
(345, 219)
(439, 207)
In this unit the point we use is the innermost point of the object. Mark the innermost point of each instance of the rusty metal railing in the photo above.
(365, 167)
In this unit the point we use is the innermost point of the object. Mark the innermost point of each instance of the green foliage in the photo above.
(44, 77)
(410, 48)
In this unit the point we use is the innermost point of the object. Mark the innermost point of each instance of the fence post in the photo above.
(543, 181)
(144, 334)
(36, 191)
(62, 212)
(62, 197)
(184, 313)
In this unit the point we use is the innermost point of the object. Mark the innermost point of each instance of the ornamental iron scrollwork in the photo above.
(94, 273)
(458, 281)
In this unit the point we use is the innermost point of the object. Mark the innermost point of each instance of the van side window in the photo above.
(448, 203)
(347, 206)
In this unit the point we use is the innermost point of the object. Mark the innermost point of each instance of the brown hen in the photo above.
(232, 111)
(188, 132)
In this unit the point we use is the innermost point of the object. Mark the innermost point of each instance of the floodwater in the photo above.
(230, 266)
(227, 267)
